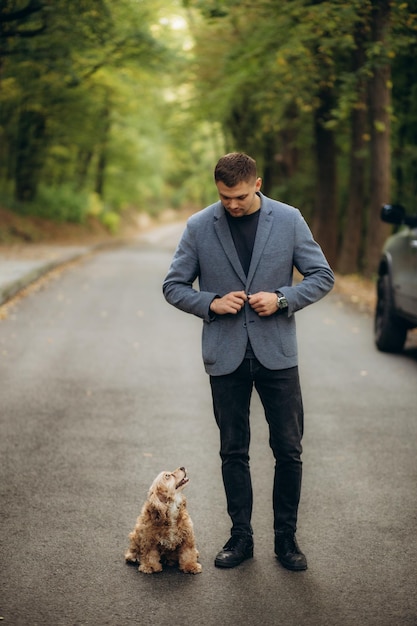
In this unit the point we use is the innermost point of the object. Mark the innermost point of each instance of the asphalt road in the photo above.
(102, 387)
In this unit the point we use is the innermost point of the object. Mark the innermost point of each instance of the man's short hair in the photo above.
(235, 167)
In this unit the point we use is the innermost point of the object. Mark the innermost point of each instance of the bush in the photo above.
(111, 221)
(62, 204)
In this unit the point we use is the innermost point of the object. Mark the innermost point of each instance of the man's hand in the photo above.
(263, 303)
(232, 302)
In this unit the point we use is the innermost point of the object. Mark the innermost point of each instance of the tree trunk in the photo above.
(102, 155)
(100, 172)
(281, 153)
(380, 173)
(325, 206)
(270, 168)
(30, 146)
(83, 163)
(352, 240)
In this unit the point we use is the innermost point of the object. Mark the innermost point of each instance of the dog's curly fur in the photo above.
(164, 530)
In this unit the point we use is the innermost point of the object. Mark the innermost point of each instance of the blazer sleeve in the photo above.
(178, 286)
(309, 260)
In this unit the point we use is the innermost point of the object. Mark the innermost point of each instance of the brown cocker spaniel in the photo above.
(164, 531)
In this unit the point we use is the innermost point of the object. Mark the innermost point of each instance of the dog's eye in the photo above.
(167, 476)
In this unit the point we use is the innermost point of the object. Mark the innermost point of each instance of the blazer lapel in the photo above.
(222, 229)
(262, 234)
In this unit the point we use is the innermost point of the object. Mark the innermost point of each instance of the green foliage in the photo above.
(96, 74)
(404, 154)
(272, 74)
(111, 221)
(61, 203)
(123, 104)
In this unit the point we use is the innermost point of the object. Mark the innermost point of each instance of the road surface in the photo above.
(102, 387)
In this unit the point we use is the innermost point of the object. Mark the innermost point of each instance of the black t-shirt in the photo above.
(243, 230)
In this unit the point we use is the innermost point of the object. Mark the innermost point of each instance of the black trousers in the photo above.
(280, 394)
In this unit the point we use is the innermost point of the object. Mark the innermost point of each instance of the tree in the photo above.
(54, 81)
(277, 80)
(380, 122)
(404, 100)
(354, 216)
(320, 69)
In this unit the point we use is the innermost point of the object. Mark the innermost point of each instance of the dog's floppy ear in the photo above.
(159, 493)
(157, 498)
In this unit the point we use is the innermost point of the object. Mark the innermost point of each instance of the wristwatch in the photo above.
(282, 302)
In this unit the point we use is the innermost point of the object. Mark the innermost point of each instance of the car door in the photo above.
(405, 272)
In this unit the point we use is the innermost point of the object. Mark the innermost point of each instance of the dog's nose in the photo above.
(182, 469)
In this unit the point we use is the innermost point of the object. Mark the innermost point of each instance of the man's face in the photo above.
(241, 199)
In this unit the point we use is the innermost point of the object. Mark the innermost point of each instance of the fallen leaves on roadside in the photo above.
(36, 286)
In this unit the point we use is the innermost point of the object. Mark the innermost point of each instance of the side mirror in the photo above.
(393, 213)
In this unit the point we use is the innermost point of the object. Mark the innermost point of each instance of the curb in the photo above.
(22, 274)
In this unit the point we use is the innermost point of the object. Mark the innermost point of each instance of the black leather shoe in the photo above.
(288, 553)
(237, 549)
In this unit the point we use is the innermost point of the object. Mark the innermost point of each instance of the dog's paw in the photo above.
(150, 569)
(130, 557)
(192, 568)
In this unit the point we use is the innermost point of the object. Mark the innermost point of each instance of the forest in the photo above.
(114, 106)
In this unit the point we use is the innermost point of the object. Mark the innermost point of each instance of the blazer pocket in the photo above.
(210, 341)
(287, 334)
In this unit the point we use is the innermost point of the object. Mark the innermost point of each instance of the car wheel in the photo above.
(390, 331)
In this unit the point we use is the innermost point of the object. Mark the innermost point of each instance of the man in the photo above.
(243, 251)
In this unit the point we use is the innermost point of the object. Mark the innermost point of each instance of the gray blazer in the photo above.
(206, 252)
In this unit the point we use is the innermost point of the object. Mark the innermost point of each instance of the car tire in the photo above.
(390, 331)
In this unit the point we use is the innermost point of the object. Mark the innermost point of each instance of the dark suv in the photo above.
(396, 308)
